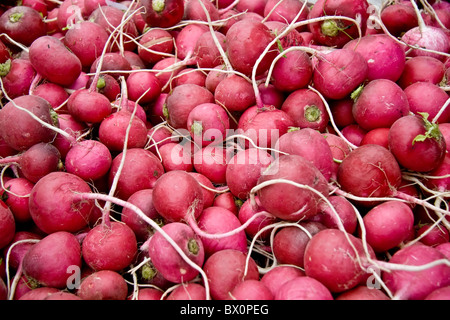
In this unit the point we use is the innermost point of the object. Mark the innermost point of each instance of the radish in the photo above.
(339, 150)
(39, 293)
(337, 259)
(167, 69)
(296, 202)
(225, 269)
(103, 285)
(149, 294)
(17, 76)
(68, 11)
(207, 188)
(211, 161)
(55, 94)
(235, 93)
(206, 53)
(15, 194)
(409, 283)
(270, 95)
(186, 40)
(380, 103)
(251, 290)
(285, 11)
(439, 294)
(80, 102)
(345, 211)
(53, 205)
(190, 75)
(16, 251)
(284, 80)
(399, 17)
(195, 10)
(254, 229)
(378, 136)
(422, 68)
(18, 127)
(362, 292)
(143, 87)
(413, 135)
(279, 275)
(111, 61)
(433, 235)
(74, 129)
(106, 85)
(7, 225)
(163, 14)
(341, 112)
(167, 261)
(154, 45)
(176, 156)
(47, 262)
(303, 288)
(188, 291)
(354, 134)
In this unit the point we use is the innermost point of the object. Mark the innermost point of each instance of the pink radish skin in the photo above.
(7, 225)
(149, 294)
(80, 102)
(112, 61)
(103, 285)
(17, 252)
(228, 201)
(16, 199)
(439, 294)
(193, 10)
(176, 156)
(211, 161)
(186, 40)
(279, 275)
(143, 87)
(354, 134)
(399, 18)
(363, 293)
(286, 80)
(246, 212)
(166, 15)
(17, 77)
(207, 187)
(341, 110)
(235, 93)
(188, 291)
(251, 290)
(345, 211)
(427, 37)
(422, 68)
(167, 261)
(190, 75)
(55, 94)
(339, 150)
(73, 127)
(435, 235)
(48, 260)
(286, 11)
(303, 288)
(206, 53)
(378, 136)
(152, 42)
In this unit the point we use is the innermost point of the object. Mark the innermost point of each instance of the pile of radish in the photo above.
(224, 150)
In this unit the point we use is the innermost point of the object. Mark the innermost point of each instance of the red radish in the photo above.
(380, 103)
(362, 293)
(63, 295)
(149, 294)
(303, 288)
(439, 294)
(68, 11)
(251, 290)
(296, 60)
(112, 247)
(384, 56)
(291, 202)
(422, 68)
(176, 156)
(134, 60)
(182, 100)
(299, 142)
(215, 77)
(416, 284)
(378, 136)
(244, 169)
(190, 75)
(167, 260)
(7, 225)
(112, 61)
(141, 170)
(285, 11)
(211, 161)
(45, 51)
(218, 220)
(154, 45)
(39, 293)
(207, 188)
(143, 87)
(208, 123)
(339, 72)
(178, 196)
(53, 205)
(19, 129)
(354, 134)
(234, 93)
(193, 10)
(413, 136)
(251, 37)
(247, 212)
(346, 213)
(186, 40)
(15, 195)
(339, 149)
(106, 85)
(16, 251)
(17, 77)
(291, 39)
(163, 14)
(388, 225)
(55, 94)
(399, 17)
(23, 24)
(188, 291)
(103, 285)
(433, 236)
(290, 242)
(279, 275)
(341, 111)
(73, 127)
(225, 269)
(80, 102)
(331, 258)
(48, 260)
(442, 183)
(430, 38)
(206, 52)
(5, 53)
(337, 32)
(131, 106)
(270, 95)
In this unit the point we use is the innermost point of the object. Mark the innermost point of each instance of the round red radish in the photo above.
(168, 261)
(154, 45)
(7, 225)
(17, 77)
(207, 188)
(176, 156)
(341, 111)
(15, 195)
(55, 94)
(362, 293)
(354, 134)
(188, 291)
(427, 37)
(163, 14)
(193, 10)
(112, 247)
(339, 149)
(211, 161)
(251, 290)
(345, 213)
(303, 288)
(187, 38)
(378, 136)
(433, 235)
(235, 93)
(143, 87)
(79, 105)
(439, 294)
(279, 275)
(73, 127)
(190, 75)
(228, 201)
(206, 52)
(270, 96)
(285, 11)
(103, 285)
(48, 260)
(399, 17)
(282, 76)
(422, 68)
(246, 212)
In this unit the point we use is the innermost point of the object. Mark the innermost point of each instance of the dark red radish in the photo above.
(163, 14)
(218, 220)
(378, 136)
(190, 75)
(211, 161)
(271, 96)
(80, 102)
(194, 10)
(186, 40)
(88, 159)
(225, 269)
(303, 288)
(287, 201)
(178, 196)
(388, 225)
(103, 285)
(208, 123)
(54, 61)
(55, 94)
(290, 242)
(182, 100)
(235, 93)
(244, 169)
(188, 291)
(17, 251)
(141, 170)
(339, 149)
(251, 290)
(112, 61)
(337, 32)
(19, 129)
(166, 258)
(299, 142)
(433, 235)
(346, 217)
(282, 76)
(247, 212)
(112, 247)
(422, 68)
(337, 259)
(399, 17)
(149, 294)
(279, 275)
(143, 87)
(17, 77)
(207, 187)
(154, 45)
(339, 72)
(430, 98)
(384, 56)
(106, 85)
(7, 225)
(54, 206)
(380, 103)
(23, 24)
(39, 293)
(3, 290)
(15, 195)
(251, 37)
(176, 156)
(86, 40)
(439, 294)
(363, 292)
(73, 127)
(91, 5)
(440, 182)
(416, 284)
(5, 53)
(263, 126)
(354, 134)
(207, 53)
(369, 171)
(341, 112)
(48, 260)
(5, 149)
(414, 137)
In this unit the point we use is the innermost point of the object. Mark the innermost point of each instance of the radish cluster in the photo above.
(246, 150)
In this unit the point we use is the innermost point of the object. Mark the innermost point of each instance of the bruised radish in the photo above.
(168, 261)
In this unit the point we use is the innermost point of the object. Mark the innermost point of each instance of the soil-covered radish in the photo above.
(103, 285)
(168, 261)
(47, 262)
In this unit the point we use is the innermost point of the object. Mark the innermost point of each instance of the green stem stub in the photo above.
(330, 28)
(193, 246)
(158, 5)
(432, 130)
(101, 83)
(357, 92)
(147, 272)
(312, 113)
(15, 17)
(197, 128)
(5, 67)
